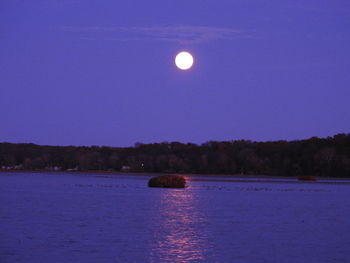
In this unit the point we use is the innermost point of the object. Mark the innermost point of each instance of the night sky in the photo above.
(102, 72)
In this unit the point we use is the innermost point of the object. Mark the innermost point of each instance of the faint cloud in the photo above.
(182, 34)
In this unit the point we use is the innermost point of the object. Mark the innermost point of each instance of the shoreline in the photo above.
(192, 177)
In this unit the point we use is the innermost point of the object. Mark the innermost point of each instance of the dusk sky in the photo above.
(102, 72)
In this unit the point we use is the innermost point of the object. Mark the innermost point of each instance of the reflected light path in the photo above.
(181, 237)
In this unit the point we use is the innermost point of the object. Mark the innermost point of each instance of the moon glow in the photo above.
(184, 60)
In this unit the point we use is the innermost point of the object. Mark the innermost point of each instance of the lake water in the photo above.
(116, 218)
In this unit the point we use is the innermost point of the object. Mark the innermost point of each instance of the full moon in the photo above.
(184, 60)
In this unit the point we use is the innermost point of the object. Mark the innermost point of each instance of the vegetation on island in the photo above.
(315, 156)
(168, 181)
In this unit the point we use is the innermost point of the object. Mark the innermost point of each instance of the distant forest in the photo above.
(315, 156)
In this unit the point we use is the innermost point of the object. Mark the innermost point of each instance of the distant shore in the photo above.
(320, 157)
(142, 173)
(191, 177)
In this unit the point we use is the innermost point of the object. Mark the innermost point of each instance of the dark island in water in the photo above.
(321, 157)
(168, 181)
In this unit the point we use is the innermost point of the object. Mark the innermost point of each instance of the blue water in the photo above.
(117, 218)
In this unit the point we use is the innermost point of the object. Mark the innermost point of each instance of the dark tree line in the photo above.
(315, 156)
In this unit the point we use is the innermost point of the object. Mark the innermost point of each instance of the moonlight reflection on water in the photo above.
(179, 238)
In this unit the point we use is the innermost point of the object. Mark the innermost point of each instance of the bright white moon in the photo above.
(184, 60)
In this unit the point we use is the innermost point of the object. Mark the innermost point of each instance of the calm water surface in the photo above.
(116, 218)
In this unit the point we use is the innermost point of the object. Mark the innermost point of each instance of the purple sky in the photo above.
(92, 72)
